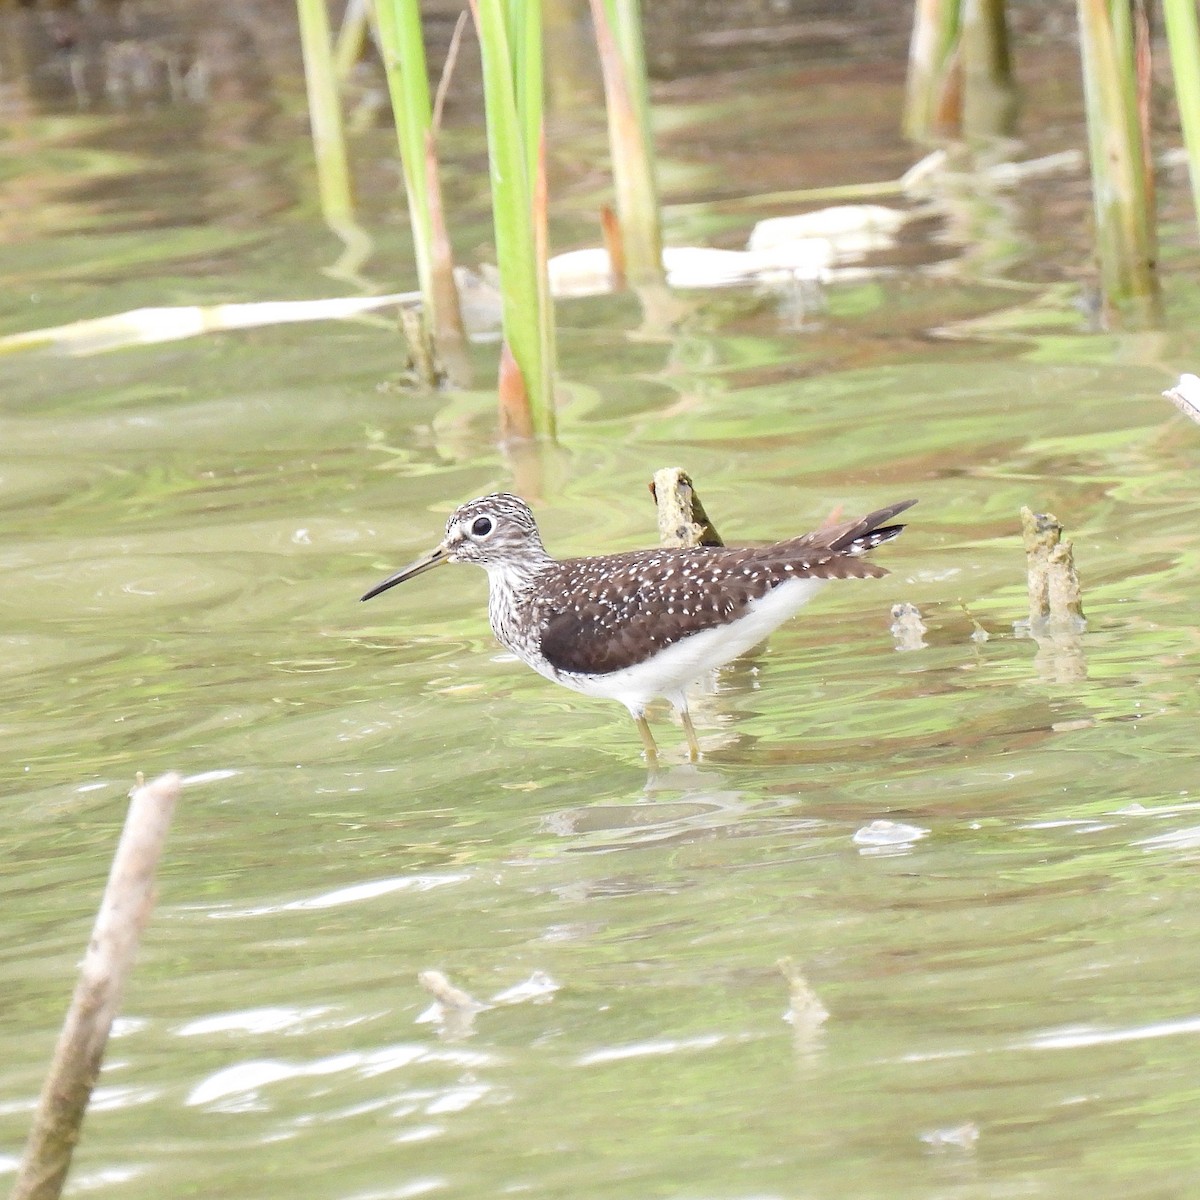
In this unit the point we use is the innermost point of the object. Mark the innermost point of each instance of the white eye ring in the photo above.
(481, 527)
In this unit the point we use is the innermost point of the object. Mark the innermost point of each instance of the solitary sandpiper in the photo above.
(648, 623)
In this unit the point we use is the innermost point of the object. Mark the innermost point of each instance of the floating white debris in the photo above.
(958, 1137)
(539, 987)
(780, 249)
(147, 326)
(588, 272)
(884, 837)
(1012, 173)
(845, 231)
(1185, 395)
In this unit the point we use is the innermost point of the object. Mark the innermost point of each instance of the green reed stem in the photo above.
(989, 97)
(511, 53)
(351, 38)
(325, 114)
(1183, 38)
(930, 56)
(618, 25)
(403, 47)
(1121, 194)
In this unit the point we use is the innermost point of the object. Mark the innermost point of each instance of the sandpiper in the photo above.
(647, 623)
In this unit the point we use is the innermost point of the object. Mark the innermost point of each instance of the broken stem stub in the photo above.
(124, 910)
(1055, 597)
(682, 521)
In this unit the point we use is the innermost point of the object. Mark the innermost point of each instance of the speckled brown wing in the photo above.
(603, 614)
(610, 613)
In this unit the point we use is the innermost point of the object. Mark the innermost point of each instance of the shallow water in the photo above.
(1010, 981)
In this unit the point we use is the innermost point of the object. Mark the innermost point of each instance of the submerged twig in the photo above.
(453, 1010)
(804, 1005)
(805, 1012)
(438, 985)
(124, 910)
(907, 627)
(682, 521)
(419, 340)
(978, 633)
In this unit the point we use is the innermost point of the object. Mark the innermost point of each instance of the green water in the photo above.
(1012, 996)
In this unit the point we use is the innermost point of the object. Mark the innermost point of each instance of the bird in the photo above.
(645, 623)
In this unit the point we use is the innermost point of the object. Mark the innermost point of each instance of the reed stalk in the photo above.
(1183, 39)
(402, 46)
(510, 39)
(989, 97)
(618, 25)
(325, 113)
(351, 38)
(1121, 191)
(930, 64)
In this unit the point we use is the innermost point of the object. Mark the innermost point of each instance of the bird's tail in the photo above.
(858, 537)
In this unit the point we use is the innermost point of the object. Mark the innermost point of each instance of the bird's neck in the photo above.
(515, 576)
(511, 586)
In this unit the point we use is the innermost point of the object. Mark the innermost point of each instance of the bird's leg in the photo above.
(689, 732)
(651, 749)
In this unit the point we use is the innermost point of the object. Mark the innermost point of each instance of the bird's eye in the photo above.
(482, 527)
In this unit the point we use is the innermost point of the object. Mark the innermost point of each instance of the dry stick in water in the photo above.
(1054, 594)
(124, 910)
(1056, 619)
(456, 1008)
(682, 521)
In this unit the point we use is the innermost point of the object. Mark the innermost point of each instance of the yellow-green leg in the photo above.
(647, 741)
(689, 731)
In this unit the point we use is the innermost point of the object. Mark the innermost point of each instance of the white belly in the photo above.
(671, 670)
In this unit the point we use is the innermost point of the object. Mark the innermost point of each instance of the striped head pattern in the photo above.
(494, 530)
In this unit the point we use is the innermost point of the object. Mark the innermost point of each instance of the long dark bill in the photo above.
(433, 559)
